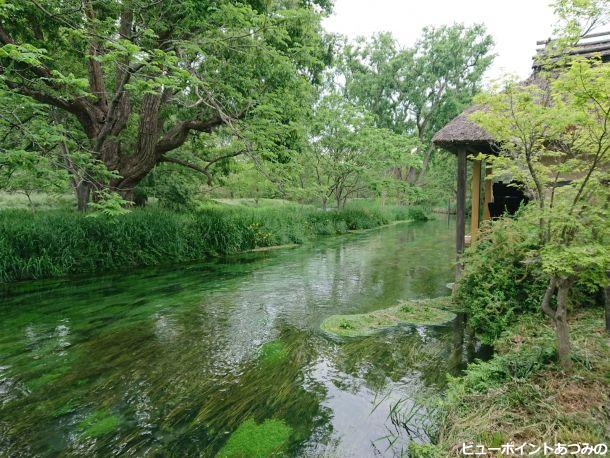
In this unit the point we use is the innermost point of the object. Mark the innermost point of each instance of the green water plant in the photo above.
(252, 440)
(425, 312)
(99, 423)
(273, 352)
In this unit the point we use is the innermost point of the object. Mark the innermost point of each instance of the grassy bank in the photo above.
(522, 396)
(55, 243)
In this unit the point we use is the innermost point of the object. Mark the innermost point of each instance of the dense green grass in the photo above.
(56, 243)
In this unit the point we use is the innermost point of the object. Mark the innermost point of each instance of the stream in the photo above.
(169, 361)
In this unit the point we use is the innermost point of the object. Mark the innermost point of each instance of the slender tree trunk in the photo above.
(82, 191)
(608, 303)
(424, 167)
(561, 323)
(559, 316)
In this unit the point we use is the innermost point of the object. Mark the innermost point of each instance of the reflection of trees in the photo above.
(393, 355)
(428, 354)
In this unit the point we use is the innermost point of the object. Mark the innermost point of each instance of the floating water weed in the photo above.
(252, 440)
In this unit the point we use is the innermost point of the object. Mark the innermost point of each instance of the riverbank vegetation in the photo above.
(535, 285)
(523, 396)
(55, 243)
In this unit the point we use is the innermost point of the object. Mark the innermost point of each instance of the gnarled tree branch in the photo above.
(177, 135)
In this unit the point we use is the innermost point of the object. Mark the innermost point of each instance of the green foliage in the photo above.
(578, 17)
(498, 285)
(349, 154)
(554, 140)
(239, 74)
(99, 423)
(110, 204)
(425, 451)
(483, 376)
(415, 91)
(252, 440)
(55, 243)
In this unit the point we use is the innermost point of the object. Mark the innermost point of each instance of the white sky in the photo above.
(515, 25)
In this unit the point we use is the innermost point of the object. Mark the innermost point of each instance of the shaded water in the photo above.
(170, 361)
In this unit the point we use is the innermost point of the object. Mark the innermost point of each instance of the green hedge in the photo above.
(55, 243)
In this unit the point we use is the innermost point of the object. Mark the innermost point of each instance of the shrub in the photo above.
(498, 283)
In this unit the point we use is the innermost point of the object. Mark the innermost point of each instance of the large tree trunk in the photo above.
(133, 168)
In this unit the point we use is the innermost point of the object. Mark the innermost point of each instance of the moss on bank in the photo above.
(414, 312)
(522, 396)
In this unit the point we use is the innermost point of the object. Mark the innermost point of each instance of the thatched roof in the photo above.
(462, 133)
(592, 45)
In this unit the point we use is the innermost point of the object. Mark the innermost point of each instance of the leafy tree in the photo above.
(37, 150)
(141, 79)
(247, 180)
(555, 139)
(349, 155)
(416, 91)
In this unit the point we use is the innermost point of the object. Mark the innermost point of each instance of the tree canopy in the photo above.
(133, 82)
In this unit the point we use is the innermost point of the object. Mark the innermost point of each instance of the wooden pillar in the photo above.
(475, 194)
(488, 194)
(460, 209)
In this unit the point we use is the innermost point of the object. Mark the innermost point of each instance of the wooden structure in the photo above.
(463, 137)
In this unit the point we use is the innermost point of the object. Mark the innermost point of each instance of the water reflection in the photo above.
(170, 360)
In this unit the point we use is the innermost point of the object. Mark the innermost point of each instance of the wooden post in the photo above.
(460, 209)
(475, 191)
(488, 194)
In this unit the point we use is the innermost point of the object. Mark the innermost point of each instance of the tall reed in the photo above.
(56, 243)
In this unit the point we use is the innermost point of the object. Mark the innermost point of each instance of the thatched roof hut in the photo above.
(462, 136)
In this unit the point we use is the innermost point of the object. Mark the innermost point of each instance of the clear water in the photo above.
(168, 361)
